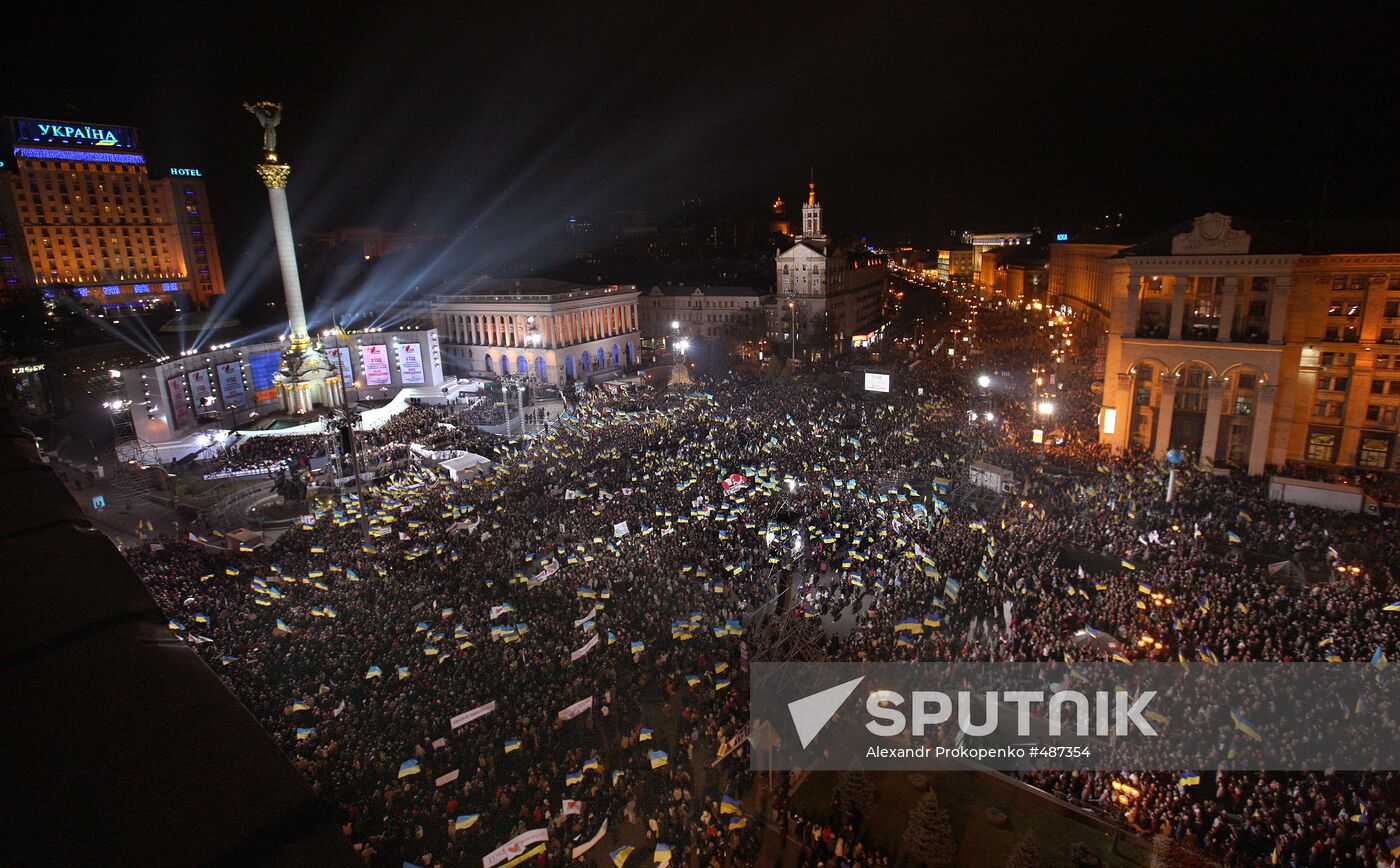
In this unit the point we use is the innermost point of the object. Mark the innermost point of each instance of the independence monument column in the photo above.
(306, 378)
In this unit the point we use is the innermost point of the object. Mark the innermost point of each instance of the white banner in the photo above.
(588, 845)
(585, 619)
(588, 646)
(340, 357)
(571, 806)
(375, 359)
(468, 716)
(231, 385)
(201, 390)
(577, 708)
(514, 847)
(410, 363)
(620, 529)
(448, 778)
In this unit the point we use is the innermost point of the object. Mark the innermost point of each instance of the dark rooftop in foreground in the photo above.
(122, 747)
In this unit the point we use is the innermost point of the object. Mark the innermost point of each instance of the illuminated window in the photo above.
(1374, 451)
(1322, 446)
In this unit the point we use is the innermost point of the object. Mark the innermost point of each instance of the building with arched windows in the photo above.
(551, 330)
(1243, 345)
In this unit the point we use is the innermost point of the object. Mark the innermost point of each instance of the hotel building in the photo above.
(82, 218)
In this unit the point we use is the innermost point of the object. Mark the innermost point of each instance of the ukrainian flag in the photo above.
(175, 625)
(721, 684)
(617, 773)
(931, 621)
(592, 763)
(658, 758)
(374, 672)
(1393, 607)
(720, 667)
(1243, 725)
(403, 672)
(692, 680)
(910, 625)
(1233, 537)
(646, 735)
(573, 778)
(739, 822)
(663, 853)
(1378, 659)
(512, 744)
(466, 821)
(411, 767)
(729, 805)
(1128, 565)
(300, 706)
(638, 647)
(1207, 655)
(282, 626)
(619, 856)
(1189, 779)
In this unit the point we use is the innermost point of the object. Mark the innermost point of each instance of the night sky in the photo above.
(501, 121)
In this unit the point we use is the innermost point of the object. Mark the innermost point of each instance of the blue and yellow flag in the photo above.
(729, 805)
(657, 758)
(466, 821)
(512, 744)
(1189, 779)
(619, 856)
(1243, 725)
(410, 767)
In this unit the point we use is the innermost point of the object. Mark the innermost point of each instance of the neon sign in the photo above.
(188, 173)
(1062, 236)
(33, 130)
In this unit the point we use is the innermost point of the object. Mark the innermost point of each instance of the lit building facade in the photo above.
(1082, 278)
(1228, 343)
(81, 217)
(954, 263)
(831, 297)
(553, 331)
(717, 315)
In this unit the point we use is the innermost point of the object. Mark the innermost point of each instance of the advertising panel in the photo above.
(410, 363)
(180, 414)
(231, 385)
(375, 358)
(264, 367)
(340, 358)
(201, 390)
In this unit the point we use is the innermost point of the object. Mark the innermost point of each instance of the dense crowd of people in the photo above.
(586, 603)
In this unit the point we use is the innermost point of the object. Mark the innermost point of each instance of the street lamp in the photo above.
(1046, 408)
(984, 381)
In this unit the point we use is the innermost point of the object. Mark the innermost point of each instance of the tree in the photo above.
(855, 793)
(1026, 854)
(928, 839)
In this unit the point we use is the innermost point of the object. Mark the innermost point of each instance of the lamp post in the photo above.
(347, 420)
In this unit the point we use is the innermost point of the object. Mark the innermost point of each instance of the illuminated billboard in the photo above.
(201, 390)
(410, 363)
(264, 367)
(180, 414)
(231, 385)
(876, 382)
(375, 358)
(75, 133)
(340, 357)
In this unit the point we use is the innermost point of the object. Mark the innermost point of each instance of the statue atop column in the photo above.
(269, 114)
